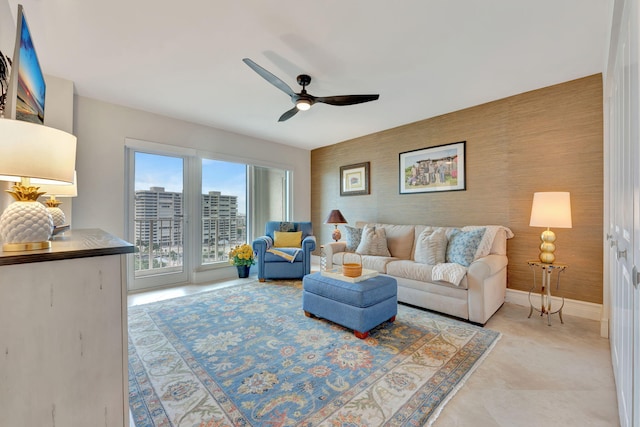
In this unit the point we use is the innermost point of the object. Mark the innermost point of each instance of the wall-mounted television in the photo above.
(7, 45)
(26, 92)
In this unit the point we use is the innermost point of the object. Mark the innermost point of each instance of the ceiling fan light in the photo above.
(303, 105)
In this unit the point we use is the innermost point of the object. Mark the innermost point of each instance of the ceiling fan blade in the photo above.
(288, 114)
(269, 77)
(346, 99)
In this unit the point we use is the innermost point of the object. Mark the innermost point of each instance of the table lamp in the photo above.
(54, 191)
(30, 150)
(335, 218)
(550, 209)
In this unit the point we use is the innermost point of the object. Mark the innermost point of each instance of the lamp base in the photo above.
(25, 226)
(31, 246)
(57, 215)
(336, 235)
(547, 247)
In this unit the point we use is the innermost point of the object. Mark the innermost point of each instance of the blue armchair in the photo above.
(277, 266)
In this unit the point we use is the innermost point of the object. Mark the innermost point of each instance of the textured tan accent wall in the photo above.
(549, 139)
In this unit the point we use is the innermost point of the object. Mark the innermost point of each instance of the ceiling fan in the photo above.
(303, 101)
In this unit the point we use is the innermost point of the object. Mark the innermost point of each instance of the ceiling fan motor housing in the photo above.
(304, 80)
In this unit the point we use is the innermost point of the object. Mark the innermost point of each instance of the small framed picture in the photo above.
(354, 179)
(433, 169)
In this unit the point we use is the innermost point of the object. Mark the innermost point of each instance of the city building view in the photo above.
(159, 228)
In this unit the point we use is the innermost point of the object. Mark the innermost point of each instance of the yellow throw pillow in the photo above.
(287, 239)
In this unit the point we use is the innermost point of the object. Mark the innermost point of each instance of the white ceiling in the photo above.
(424, 57)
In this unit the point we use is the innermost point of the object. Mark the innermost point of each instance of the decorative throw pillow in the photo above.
(287, 239)
(354, 235)
(287, 226)
(373, 242)
(463, 246)
(431, 247)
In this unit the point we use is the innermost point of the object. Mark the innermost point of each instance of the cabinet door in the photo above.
(62, 342)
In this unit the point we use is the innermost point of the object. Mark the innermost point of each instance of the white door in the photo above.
(623, 184)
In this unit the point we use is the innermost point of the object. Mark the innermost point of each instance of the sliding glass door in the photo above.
(187, 211)
(158, 223)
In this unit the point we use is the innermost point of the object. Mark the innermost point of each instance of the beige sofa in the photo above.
(472, 292)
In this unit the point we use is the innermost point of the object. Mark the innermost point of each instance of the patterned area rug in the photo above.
(247, 356)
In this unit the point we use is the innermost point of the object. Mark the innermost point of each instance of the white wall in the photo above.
(59, 114)
(101, 129)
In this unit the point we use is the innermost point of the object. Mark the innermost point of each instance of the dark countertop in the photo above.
(72, 244)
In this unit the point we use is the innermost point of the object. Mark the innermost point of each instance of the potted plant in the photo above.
(243, 258)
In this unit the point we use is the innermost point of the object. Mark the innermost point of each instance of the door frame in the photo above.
(187, 155)
(621, 299)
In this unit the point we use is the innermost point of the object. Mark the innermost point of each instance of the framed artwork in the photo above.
(354, 179)
(432, 169)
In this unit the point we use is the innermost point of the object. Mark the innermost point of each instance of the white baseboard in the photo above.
(587, 310)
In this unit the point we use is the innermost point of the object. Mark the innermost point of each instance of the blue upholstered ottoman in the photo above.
(359, 306)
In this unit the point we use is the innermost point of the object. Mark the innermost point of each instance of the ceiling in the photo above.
(424, 57)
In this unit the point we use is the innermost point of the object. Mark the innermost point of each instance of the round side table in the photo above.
(545, 292)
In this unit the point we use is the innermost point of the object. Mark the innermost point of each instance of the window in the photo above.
(187, 211)
(224, 208)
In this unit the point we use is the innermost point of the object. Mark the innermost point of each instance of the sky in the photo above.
(152, 170)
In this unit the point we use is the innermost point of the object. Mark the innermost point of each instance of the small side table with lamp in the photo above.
(545, 291)
(549, 209)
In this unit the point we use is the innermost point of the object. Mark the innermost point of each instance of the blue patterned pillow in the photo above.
(354, 235)
(463, 246)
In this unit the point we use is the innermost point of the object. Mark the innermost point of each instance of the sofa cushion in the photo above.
(406, 269)
(499, 245)
(410, 270)
(287, 239)
(353, 236)
(374, 242)
(437, 288)
(463, 246)
(431, 246)
(377, 263)
(399, 239)
(370, 262)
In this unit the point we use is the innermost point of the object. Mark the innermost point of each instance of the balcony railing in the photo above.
(160, 243)
(219, 235)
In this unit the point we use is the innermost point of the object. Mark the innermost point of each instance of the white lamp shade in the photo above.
(551, 209)
(58, 190)
(30, 150)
